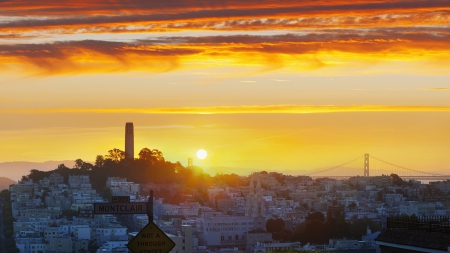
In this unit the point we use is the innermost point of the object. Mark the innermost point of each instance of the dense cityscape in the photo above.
(54, 211)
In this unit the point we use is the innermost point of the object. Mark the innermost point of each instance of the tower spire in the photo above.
(252, 187)
(258, 185)
(129, 140)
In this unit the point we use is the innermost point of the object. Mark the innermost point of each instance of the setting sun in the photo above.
(201, 154)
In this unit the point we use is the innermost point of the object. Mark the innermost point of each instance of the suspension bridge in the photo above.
(367, 165)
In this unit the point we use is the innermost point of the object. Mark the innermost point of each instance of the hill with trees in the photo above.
(150, 167)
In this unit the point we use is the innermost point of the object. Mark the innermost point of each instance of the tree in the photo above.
(275, 225)
(14, 250)
(8, 220)
(99, 161)
(151, 155)
(157, 156)
(78, 164)
(145, 154)
(316, 216)
(359, 227)
(8, 233)
(277, 228)
(5, 194)
(116, 155)
(81, 165)
(106, 193)
(87, 166)
(62, 166)
(396, 180)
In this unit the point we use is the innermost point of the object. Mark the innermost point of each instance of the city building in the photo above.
(218, 230)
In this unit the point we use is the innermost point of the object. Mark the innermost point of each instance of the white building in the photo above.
(217, 229)
(81, 181)
(30, 245)
(393, 198)
(418, 209)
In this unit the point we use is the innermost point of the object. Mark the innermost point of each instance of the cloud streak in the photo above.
(312, 34)
(157, 16)
(268, 52)
(437, 89)
(255, 109)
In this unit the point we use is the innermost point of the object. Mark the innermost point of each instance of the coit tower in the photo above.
(129, 140)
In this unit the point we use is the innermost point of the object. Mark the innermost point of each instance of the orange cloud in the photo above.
(256, 109)
(268, 52)
(142, 16)
(325, 34)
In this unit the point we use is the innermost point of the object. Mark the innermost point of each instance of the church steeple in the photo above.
(258, 186)
(252, 188)
(255, 201)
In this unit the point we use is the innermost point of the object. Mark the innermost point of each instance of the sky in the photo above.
(260, 85)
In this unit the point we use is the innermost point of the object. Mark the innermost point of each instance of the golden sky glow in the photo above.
(289, 82)
(276, 109)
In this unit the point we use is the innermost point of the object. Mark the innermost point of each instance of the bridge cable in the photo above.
(334, 167)
(417, 171)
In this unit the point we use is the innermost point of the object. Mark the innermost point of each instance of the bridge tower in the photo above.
(366, 165)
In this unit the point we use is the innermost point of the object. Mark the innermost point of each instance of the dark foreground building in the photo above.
(415, 234)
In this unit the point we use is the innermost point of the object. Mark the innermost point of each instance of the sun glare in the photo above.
(201, 154)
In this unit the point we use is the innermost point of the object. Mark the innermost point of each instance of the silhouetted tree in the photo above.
(277, 228)
(151, 155)
(313, 230)
(396, 180)
(275, 225)
(145, 154)
(8, 233)
(116, 155)
(359, 227)
(99, 161)
(316, 216)
(78, 164)
(81, 165)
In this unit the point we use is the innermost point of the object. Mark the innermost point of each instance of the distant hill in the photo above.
(15, 170)
(5, 182)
